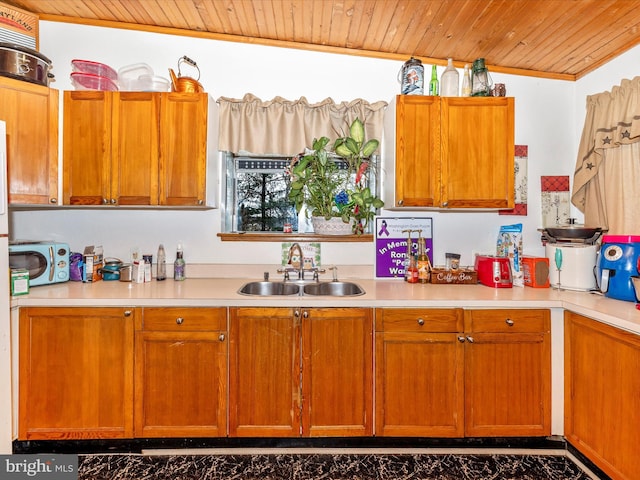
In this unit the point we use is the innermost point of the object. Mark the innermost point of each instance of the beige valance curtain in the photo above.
(286, 127)
(607, 174)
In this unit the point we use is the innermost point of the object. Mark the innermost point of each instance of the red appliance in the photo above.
(494, 271)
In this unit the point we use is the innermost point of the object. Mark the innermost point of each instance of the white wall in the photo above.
(545, 121)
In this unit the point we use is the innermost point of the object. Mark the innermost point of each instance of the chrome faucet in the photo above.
(296, 246)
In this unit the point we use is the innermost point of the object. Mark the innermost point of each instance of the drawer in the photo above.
(508, 321)
(419, 320)
(184, 319)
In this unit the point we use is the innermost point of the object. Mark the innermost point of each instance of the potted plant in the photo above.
(330, 192)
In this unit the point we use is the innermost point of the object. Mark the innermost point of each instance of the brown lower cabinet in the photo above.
(602, 394)
(181, 372)
(300, 372)
(454, 373)
(75, 373)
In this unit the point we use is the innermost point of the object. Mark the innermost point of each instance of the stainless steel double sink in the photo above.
(268, 288)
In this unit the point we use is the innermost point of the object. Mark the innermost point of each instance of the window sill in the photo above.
(291, 237)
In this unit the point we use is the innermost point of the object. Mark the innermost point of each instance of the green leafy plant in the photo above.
(329, 191)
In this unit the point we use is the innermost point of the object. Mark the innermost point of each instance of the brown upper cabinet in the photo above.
(450, 152)
(135, 148)
(31, 114)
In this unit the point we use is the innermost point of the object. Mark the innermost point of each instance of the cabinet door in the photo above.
(337, 372)
(264, 372)
(75, 373)
(87, 148)
(478, 152)
(508, 375)
(419, 385)
(419, 373)
(602, 394)
(183, 148)
(31, 114)
(417, 151)
(134, 157)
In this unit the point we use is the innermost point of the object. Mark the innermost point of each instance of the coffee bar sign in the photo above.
(391, 241)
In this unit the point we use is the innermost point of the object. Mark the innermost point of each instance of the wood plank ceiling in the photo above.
(549, 38)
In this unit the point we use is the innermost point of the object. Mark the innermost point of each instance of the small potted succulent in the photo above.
(331, 192)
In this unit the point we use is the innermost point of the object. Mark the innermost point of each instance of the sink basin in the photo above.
(334, 289)
(330, 289)
(266, 288)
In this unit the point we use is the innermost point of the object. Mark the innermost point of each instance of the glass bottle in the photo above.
(434, 87)
(179, 265)
(161, 272)
(466, 82)
(450, 80)
(424, 272)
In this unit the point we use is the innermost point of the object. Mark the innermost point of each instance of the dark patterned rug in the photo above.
(329, 467)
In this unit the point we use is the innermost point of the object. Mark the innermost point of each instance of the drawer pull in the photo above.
(420, 321)
(509, 322)
(221, 337)
(469, 339)
(127, 313)
(461, 338)
(179, 320)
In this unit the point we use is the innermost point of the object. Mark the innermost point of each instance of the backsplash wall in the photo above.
(546, 112)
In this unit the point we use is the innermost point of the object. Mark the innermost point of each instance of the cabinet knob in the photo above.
(469, 339)
(200, 202)
(420, 321)
(305, 314)
(221, 337)
(113, 201)
(296, 313)
(445, 204)
(127, 313)
(179, 320)
(400, 203)
(509, 322)
(461, 338)
(53, 200)
(105, 201)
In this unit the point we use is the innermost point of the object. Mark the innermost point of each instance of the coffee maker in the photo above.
(617, 262)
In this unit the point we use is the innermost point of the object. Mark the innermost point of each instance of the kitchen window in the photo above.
(256, 194)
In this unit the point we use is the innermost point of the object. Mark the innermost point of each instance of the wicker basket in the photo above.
(333, 226)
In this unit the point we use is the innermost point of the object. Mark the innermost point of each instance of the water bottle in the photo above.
(449, 80)
(161, 273)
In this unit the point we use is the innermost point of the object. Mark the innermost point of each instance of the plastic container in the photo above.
(88, 81)
(449, 81)
(94, 68)
(153, 83)
(129, 76)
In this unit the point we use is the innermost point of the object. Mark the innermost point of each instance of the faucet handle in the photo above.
(316, 271)
(335, 272)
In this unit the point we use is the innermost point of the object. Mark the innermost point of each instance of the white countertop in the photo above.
(202, 292)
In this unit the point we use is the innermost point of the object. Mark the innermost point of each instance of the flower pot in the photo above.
(333, 226)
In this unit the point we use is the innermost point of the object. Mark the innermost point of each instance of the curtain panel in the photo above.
(286, 127)
(607, 173)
